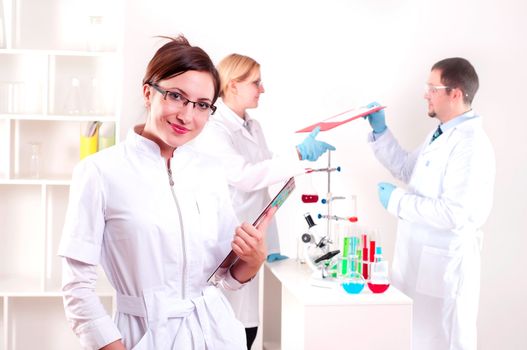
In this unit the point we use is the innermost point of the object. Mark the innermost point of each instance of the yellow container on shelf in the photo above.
(88, 145)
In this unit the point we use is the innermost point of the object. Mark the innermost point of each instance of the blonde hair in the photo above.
(235, 67)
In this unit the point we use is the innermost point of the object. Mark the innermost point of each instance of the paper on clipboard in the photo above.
(341, 118)
(277, 201)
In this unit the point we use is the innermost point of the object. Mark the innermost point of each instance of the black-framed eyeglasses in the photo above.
(179, 100)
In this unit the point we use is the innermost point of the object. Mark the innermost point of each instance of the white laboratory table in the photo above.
(297, 315)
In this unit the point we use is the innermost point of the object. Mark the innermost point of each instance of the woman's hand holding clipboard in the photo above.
(245, 237)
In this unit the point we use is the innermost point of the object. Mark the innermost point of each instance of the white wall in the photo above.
(319, 59)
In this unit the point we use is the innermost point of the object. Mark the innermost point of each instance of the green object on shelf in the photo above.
(105, 142)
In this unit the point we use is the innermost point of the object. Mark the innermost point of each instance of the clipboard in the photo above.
(277, 201)
(341, 118)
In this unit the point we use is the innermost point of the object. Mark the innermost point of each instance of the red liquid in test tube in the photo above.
(365, 257)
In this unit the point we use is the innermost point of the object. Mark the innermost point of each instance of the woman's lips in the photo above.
(179, 129)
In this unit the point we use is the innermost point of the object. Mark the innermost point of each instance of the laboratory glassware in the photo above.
(310, 195)
(300, 250)
(379, 280)
(354, 284)
(73, 103)
(34, 161)
(95, 40)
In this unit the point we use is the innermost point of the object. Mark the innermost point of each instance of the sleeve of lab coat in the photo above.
(241, 174)
(84, 223)
(399, 162)
(467, 193)
(81, 248)
(84, 311)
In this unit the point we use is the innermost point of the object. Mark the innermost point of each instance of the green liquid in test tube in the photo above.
(345, 254)
(359, 261)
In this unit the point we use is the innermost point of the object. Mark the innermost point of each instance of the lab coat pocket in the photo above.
(437, 276)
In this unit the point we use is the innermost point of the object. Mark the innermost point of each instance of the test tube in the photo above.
(365, 256)
(344, 262)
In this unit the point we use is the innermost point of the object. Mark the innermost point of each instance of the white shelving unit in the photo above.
(59, 69)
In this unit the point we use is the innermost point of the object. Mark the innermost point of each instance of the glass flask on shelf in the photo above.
(73, 103)
(34, 160)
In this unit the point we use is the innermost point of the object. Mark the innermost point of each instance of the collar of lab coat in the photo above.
(466, 120)
(151, 149)
(141, 143)
(232, 120)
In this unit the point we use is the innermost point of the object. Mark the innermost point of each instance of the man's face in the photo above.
(437, 95)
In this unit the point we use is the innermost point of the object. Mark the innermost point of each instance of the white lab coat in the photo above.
(437, 251)
(157, 244)
(251, 168)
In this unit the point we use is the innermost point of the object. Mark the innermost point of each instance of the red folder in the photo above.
(341, 118)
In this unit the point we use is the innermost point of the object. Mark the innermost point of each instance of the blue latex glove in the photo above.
(311, 149)
(276, 257)
(385, 191)
(377, 120)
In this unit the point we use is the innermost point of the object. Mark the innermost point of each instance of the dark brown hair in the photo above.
(177, 57)
(457, 72)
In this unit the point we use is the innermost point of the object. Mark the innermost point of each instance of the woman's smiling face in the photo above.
(173, 120)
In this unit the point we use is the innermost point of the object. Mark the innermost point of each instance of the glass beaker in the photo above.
(34, 161)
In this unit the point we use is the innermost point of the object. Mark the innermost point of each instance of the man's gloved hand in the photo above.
(376, 119)
(385, 191)
(276, 257)
(311, 149)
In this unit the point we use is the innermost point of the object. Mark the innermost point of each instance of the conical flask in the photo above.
(309, 195)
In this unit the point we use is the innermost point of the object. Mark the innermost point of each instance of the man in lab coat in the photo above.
(448, 197)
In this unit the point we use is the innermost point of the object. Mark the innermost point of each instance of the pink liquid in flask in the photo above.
(309, 198)
(378, 288)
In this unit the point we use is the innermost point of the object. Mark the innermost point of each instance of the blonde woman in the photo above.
(232, 136)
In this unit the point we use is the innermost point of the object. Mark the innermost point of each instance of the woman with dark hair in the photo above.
(157, 216)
